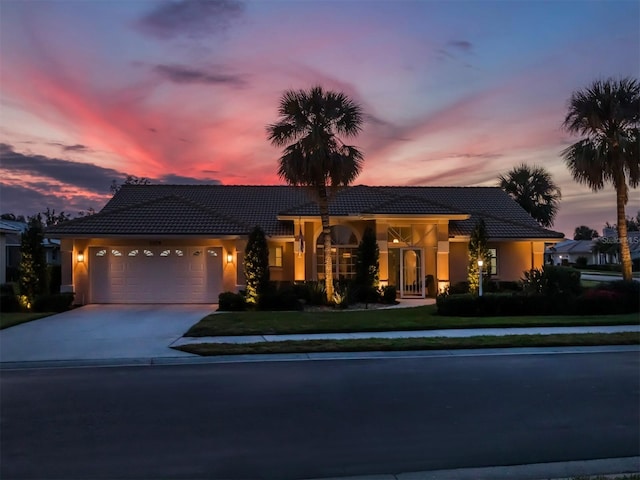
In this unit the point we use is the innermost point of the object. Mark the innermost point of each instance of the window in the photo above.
(398, 235)
(165, 253)
(133, 253)
(492, 262)
(148, 253)
(275, 256)
(116, 253)
(212, 253)
(344, 250)
(179, 253)
(101, 253)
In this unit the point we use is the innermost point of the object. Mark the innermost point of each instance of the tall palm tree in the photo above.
(314, 156)
(607, 116)
(534, 190)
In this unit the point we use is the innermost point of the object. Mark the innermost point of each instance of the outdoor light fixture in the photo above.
(395, 240)
(229, 257)
(480, 286)
(80, 257)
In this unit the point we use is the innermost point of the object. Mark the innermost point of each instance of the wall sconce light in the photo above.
(229, 257)
(80, 257)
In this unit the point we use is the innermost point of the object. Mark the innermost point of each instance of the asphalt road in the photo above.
(290, 420)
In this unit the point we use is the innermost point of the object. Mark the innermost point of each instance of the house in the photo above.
(6, 229)
(13, 245)
(568, 251)
(185, 243)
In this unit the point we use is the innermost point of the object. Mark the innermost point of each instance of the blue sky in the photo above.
(455, 92)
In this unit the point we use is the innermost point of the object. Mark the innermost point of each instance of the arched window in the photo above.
(344, 248)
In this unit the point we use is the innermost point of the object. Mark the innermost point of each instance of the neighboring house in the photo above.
(14, 244)
(569, 251)
(6, 229)
(185, 243)
(610, 235)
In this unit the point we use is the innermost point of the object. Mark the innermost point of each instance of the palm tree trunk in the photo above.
(625, 253)
(323, 205)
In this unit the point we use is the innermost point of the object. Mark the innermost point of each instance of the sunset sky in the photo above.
(455, 92)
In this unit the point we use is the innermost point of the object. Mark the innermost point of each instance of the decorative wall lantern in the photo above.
(80, 257)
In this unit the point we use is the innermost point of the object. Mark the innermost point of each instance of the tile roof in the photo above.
(235, 210)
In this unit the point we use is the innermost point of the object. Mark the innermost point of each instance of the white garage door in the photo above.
(155, 274)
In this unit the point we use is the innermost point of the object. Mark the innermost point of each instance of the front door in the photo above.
(406, 267)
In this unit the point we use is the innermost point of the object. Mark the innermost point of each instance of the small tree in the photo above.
(33, 268)
(478, 251)
(256, 265)
(367, 263)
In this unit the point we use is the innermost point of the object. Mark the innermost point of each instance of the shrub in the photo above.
(611, 298)
(9, 303)
(53, 302)
(552, 281)
(389, 294)
(8, 289)
(312, 293)
(467, 305)
(365, 294)
(54, 278)
(581, 262)
(283, 298)
(231, 302)
(458, 288)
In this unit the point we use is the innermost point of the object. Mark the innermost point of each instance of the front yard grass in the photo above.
(418, 318)
(438, 343)
(16, 318)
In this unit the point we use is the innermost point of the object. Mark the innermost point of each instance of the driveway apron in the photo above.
(95, 332)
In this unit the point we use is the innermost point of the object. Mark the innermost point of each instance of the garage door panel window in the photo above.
(132, 253)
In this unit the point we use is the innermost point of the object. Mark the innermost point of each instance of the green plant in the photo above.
(312, 293)
(231, 302)
(581, 262)
(256, 265)
(53, 302)
(33, 273)
(552, 281)
(279, 297)
(478, 250)
(389, 294)
(367, 263)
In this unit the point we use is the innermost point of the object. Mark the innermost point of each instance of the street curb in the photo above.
(536, 471)
(295, 357)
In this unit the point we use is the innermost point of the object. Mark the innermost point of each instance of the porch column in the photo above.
(442, 257)
(299, 269)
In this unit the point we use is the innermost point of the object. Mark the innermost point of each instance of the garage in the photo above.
(144, 274)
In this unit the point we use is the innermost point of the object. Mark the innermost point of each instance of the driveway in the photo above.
(98, 332)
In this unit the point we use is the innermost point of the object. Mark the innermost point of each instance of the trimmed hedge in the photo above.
(607, 299)
(53, 302)
(231, 302)
(9, 303)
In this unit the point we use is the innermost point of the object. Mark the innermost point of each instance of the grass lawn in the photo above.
(438, 343)
(16, 318)
(418, 318)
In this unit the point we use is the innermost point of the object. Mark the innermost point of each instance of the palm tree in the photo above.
(607, 116)
(534, 190)
(314, 156)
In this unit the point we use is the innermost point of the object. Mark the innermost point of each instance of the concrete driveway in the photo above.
(101, 332)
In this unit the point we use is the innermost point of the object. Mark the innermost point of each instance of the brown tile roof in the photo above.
(215, 210)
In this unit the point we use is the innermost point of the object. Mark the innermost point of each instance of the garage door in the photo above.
(155, 275)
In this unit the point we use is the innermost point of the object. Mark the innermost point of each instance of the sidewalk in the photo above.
(450, 333)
